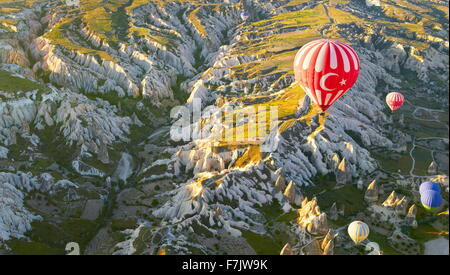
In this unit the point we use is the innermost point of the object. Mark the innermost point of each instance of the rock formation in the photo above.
(334, 162)
(280, 184)
(394, 202)
(360, 184)
(312, 248)
(333, 213)
(293, 194)
(343, 172)
(324, 246)
(278, 173)
(373, 3)
(411, 216)
(311, 219)
(287, 250)
(327, 244)
(401, 206)
(15, 218)
(371, 195)
(432, 168)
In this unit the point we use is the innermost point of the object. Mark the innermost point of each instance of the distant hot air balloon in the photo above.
(326, 69)
(245, 15)
(358, 231)
(162, 251)
(431, 200)
(429, 185)
(443, 213)
(395, 100)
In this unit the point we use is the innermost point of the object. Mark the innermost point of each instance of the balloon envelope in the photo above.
(245, 15)
(395, 100)
(431, 199)
(429, 185)
(358, 231)
(326, 69)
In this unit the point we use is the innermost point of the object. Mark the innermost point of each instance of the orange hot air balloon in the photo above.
(395, 100)
(162, 251)
(326, 69)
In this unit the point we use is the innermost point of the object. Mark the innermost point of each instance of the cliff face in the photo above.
(15, 218)
(96, 83)
(160, 46)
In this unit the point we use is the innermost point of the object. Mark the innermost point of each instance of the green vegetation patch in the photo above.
(50, 238)
(12, 84)
(58, 37)
(21, 247)
(262, 244)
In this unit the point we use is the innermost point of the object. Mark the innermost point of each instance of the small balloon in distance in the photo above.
(395, 100)
(245, 15)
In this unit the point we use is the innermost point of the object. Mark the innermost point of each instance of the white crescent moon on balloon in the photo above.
(322, 82)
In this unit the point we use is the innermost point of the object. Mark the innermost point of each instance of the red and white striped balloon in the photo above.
(326, 69)
(395, 100)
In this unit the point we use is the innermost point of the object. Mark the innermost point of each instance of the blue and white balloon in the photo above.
(245, 15)
(431, 199)
(429, 185)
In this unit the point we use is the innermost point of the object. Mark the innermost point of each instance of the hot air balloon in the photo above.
(429, 185)
(443, 213)
(395, 100)
(326, 69)
(245, 15)
(358, 231)
(431, 200)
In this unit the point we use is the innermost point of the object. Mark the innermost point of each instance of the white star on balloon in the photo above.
(343, 82)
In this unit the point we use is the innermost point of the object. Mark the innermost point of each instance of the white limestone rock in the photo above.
(15, 219)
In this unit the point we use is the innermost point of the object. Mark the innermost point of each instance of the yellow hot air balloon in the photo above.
(443, 213)
(162, 251)
(358, 231)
